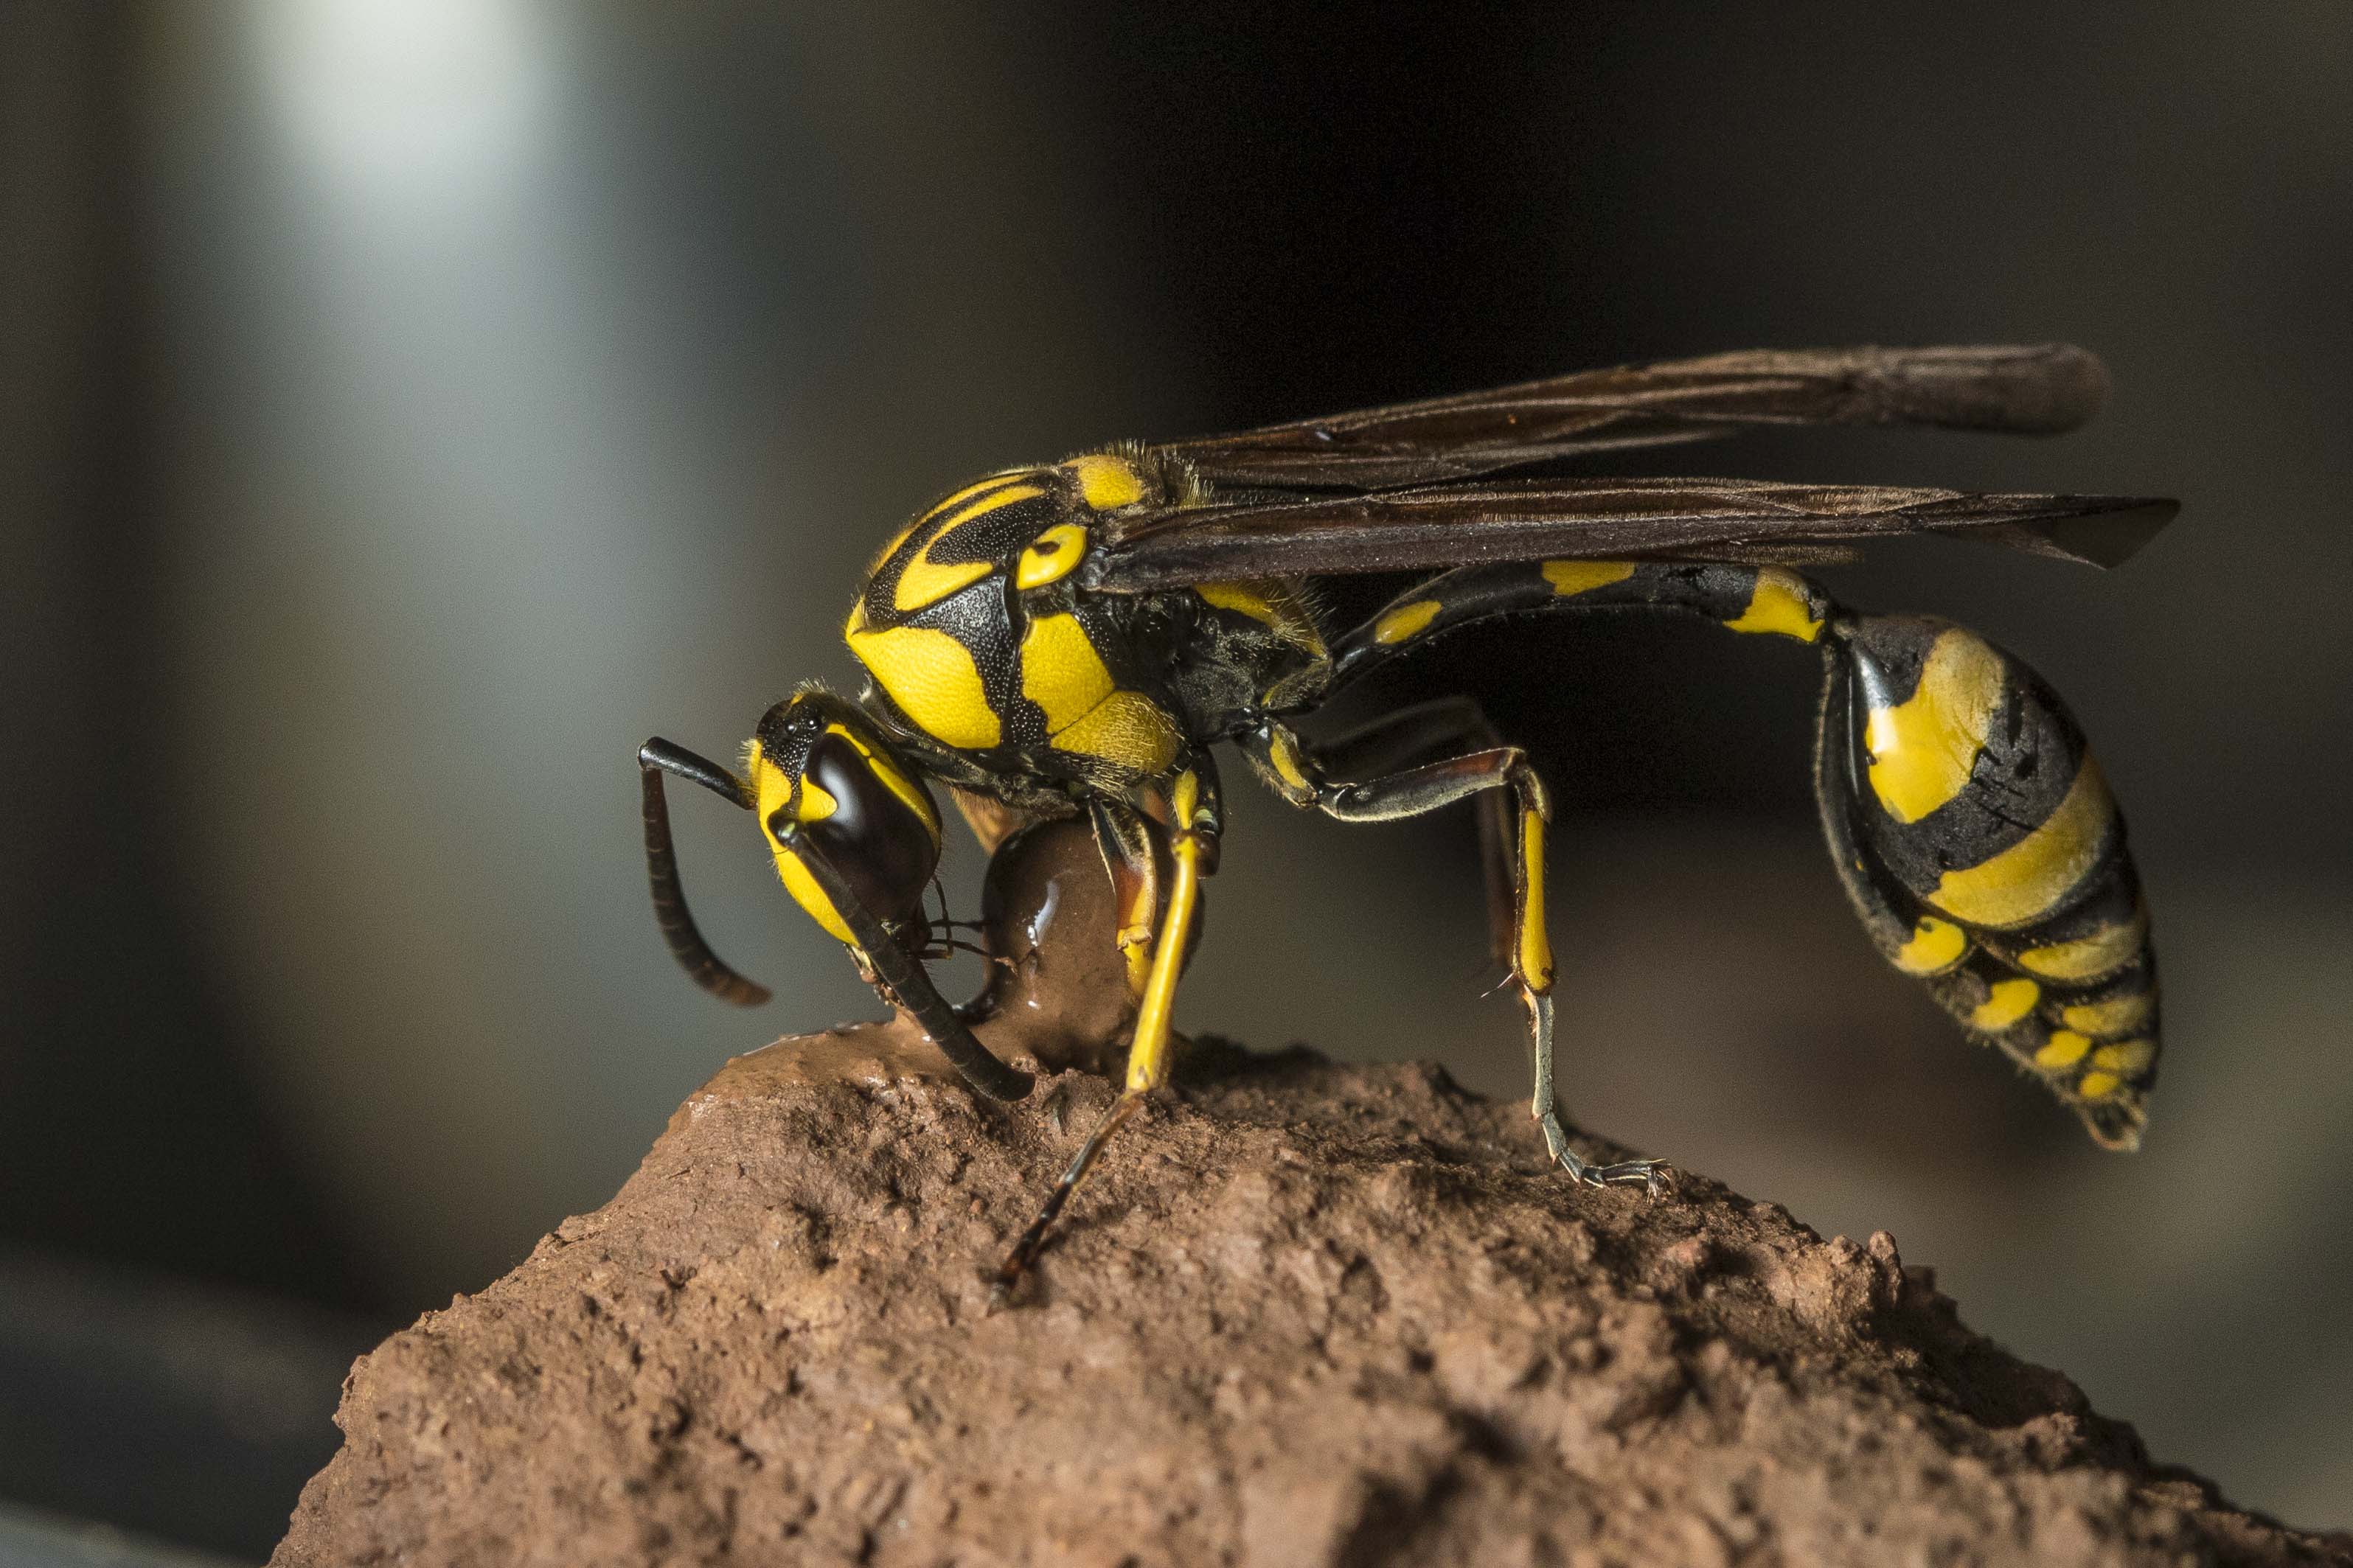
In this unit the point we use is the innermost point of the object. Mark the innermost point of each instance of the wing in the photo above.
(1721, 519)
(2037, 389)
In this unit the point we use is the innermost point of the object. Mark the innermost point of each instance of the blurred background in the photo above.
(408, 406)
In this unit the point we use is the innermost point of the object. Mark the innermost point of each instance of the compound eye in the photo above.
(852, 808)
(1051, 556)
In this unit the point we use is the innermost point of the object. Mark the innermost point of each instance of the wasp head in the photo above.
(824, 778)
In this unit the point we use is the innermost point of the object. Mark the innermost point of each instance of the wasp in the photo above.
(1071, 640)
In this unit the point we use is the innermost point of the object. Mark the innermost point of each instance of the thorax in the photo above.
(981, 640)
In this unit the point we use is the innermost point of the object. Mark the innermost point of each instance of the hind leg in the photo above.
(1500, 776)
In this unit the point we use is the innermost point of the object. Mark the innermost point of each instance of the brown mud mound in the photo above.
(1304, 1314)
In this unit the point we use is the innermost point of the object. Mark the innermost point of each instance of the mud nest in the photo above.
(1305, 1313)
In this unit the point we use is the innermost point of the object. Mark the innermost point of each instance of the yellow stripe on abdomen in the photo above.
(2063, 1049)
(1924, 748)
(2088, 957)
(2032, 876)
(1933, 947)
(1405, 621)
(1777, 607)
(2107, 1019)
(1569, 578)
(2005, 1003)
(2131, 1057)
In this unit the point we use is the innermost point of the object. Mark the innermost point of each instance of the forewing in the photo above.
(1441, 526)
(2031, 389)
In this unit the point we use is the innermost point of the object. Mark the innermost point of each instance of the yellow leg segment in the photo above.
(1147, 1058)
(1147, 1061)
(1533, 949)
(1135, 943)
(1521, 940)
(1532, 965)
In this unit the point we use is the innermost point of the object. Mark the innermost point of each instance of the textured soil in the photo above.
(1305, 1314)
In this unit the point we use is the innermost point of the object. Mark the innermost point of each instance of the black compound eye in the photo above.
(885, 850)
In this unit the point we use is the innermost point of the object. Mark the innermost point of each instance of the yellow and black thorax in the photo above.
(983, 637)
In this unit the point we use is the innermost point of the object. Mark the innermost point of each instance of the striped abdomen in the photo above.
(1980, 843)
(1966, 817)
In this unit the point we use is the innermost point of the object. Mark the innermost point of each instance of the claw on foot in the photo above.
(1654, 1176)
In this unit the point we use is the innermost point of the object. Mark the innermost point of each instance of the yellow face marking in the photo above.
(1405, 621)
(2089, 957)
(1922, 748)
(2131, 1057)
(2036, 872)
(1934, 946)
(2063, 1049)
(1569, 578)
(924, 581)
(1062, 672)
(2099, 1085)
(1106, 482)
(810, 896)
(931, 678)
(2105, 1020)
(1051, 556)
(2005, 1003)
(1535, 945)
(1126, 729)
(894, 779)
(772, 789)
(1777, 605)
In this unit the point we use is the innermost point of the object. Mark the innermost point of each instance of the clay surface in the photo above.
(1304, 1314)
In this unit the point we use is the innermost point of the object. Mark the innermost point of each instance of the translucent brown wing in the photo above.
(2031, 389)
(1615, 519)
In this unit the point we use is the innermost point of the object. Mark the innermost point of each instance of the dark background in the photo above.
(410, 407)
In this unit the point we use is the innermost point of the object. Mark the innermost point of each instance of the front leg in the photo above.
(1192, 850)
